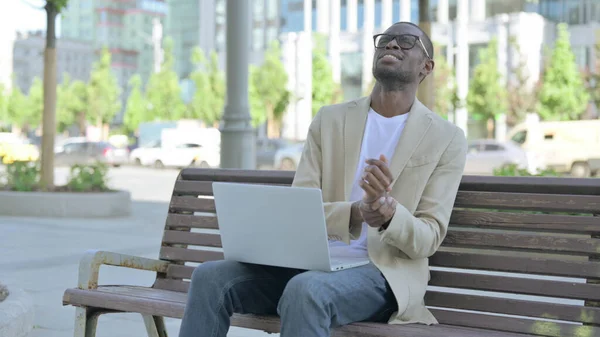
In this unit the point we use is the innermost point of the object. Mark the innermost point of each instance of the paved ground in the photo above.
(42, 255)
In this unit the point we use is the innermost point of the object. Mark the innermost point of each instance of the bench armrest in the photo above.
(89, 265)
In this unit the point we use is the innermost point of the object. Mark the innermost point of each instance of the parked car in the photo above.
(266, 149)
(78, 150)
(180, 155)
(288, 157)
(485, 155)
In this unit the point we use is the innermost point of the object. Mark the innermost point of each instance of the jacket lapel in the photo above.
(354, 128)
(416, 127)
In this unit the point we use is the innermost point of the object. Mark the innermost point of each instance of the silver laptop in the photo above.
(277, 226)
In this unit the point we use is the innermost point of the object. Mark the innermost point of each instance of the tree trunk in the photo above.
(49, 116)
(425, 91)
(82, 123)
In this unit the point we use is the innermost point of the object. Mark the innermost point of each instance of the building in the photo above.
(201, 23)
(461, 27)
(130, 29)
(73, 58)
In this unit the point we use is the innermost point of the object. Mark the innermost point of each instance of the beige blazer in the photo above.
(427, 166)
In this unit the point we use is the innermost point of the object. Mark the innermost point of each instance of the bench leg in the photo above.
(86, 320)
(155, 326)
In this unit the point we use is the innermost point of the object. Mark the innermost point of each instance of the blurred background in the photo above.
(140, 92)
(519, 76)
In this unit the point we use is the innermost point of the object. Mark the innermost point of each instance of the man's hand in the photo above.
(376, 179)
(378, 213)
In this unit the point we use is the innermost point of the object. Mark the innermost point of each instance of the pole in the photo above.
(238, 144)
(425, 92)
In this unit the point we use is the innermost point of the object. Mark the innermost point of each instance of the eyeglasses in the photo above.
(404, 41)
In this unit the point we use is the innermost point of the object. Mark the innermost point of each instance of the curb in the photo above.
(16, 314)
(65, 204)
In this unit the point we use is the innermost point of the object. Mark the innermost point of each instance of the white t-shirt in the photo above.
(380, 137)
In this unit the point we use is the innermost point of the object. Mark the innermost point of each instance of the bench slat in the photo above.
(510, 324)
(204, 188)
(540, 266)
(197, 239)
(525, 221)
(191, 221)
(439, 278)
(171, 285)
(515, 285)
(529, 201)
(512, 201)
(159, 302)
(189, 255)
(238, 175)
(191, 204)
(515, 307)
(512, 240)
(527, 265)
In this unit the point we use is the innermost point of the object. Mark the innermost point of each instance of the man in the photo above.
(395, 211)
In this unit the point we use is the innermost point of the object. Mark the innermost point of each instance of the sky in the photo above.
(18, 15)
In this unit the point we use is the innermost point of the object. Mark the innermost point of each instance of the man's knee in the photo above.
(214, 274)
(306, 291)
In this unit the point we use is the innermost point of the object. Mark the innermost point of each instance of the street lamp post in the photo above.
(238, 146)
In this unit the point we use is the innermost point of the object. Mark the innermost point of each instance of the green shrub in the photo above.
(23, 176)
(514, 171)
(88, 178)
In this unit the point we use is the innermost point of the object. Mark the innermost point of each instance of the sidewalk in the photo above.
(41, 256)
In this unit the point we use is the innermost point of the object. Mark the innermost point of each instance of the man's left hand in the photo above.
(379, 212)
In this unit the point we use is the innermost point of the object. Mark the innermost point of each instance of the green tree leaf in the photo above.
(72, 103)
(209, 96)
(103, 91)
(487, 95)
(268, 88)
(522, 96)
(324, 89)
(163, 91)
(135, 110)
(445, 88)
(562, 95)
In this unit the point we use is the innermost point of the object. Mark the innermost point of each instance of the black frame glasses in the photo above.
(404, 41)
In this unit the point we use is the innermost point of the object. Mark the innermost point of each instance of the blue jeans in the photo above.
(309, 303)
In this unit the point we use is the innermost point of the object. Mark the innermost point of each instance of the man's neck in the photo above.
(394, 102)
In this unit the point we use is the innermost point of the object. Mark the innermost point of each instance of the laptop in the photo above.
(276, 226)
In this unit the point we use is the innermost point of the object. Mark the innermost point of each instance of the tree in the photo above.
(209, 97)
(135, 111)
(163, 91)
(35, 105)
(17, 108)
(103, 92)
(72, 104)
(562, 95)
(522, 94)
(269, 82)
(445, 88)
(3, 106)
(592, 78)
(487, 95)
(324, 89)
(52, 8)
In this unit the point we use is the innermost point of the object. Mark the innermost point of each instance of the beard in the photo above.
(393, 80)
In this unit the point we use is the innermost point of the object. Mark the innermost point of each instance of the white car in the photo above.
(485, 155)
(153, 154)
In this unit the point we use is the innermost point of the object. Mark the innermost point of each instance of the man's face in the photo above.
(393, 64)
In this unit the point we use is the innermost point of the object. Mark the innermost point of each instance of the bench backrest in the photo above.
(527, 247)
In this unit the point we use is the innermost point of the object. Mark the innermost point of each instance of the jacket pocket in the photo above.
(420, 161)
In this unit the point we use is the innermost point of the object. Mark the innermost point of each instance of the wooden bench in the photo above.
(509, 266)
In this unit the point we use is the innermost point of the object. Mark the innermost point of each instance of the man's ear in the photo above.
(427, 68)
